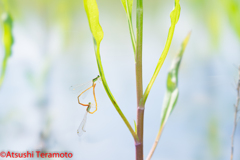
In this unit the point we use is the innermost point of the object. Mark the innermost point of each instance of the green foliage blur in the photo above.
(214, 14)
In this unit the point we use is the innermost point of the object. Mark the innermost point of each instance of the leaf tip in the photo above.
(185, 42)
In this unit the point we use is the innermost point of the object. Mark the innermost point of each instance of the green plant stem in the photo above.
(155, 143)
(4, 66)
(101, 72)
(138, 66)
(139, 145)
(236, 109)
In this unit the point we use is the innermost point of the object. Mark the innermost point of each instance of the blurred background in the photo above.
(53, 50)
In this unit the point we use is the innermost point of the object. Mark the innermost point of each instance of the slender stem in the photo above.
(235, 116)
(233, 133)
(4, 66)
(139, 52)
(138, 66)
(155, 143)
(139, 145)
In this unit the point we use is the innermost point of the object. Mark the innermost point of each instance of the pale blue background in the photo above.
(199, 128)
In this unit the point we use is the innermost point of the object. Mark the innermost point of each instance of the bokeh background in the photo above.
(53, 50)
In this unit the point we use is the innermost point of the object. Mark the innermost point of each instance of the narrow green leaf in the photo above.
(135, 126)
(91, 9)
(7, 33)
(172, 92)
(7, 42)
(169, 102)
(174, 15)
(127, 4)
(171, 95)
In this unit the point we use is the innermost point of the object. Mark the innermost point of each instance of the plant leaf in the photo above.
(135, 126)
(7, 42)
(174, 15)
(91, 9)
(171, 95)
(127, 4)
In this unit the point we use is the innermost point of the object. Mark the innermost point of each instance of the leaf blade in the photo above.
(127, 4)
(7, 42)
(172, 92)
(91, 9)
(171, 96)
(174, 16)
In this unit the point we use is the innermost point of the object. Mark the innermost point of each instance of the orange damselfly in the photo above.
(82, 89)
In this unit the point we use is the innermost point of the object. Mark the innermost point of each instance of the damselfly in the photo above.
(83, 88)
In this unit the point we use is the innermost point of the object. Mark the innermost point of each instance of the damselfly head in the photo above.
(91, 107)
(99, 80)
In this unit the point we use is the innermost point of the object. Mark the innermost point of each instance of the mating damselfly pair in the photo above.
(91, 106)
